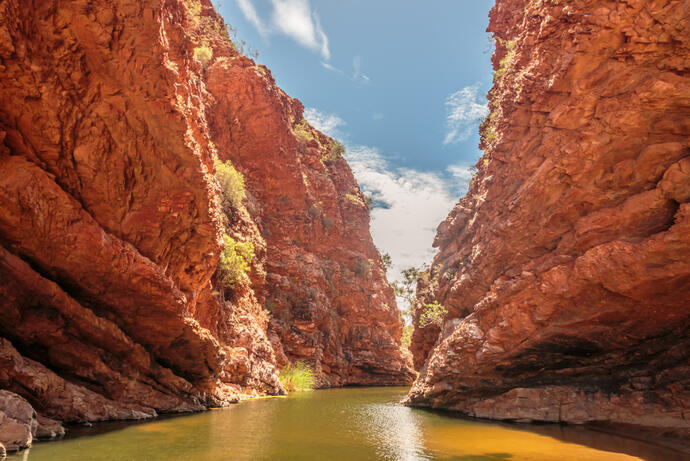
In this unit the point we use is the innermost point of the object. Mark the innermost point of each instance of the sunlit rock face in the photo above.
(325, 286)
(566, 267)
(111, 228)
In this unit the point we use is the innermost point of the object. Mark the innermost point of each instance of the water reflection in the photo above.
(339, 424)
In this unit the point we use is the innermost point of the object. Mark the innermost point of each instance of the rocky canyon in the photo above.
(565, 269)
(114, 119)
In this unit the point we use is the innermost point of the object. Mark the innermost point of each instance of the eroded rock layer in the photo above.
(111, 115)
(566, 267)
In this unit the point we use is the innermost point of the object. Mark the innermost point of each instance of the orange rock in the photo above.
(111, 226)
(566, 268)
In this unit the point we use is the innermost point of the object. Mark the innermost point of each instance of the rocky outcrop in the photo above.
(111, 117)
(20, 425)
(330, 303)
(566, 267)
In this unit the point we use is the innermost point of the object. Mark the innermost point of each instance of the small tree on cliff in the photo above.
(231, 185)
(235, 261)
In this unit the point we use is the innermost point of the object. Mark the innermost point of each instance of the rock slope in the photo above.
(566, 267)
(112, 114)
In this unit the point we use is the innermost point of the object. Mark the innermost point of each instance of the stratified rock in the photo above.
(111, 226)
(566, 268)
(330, 302)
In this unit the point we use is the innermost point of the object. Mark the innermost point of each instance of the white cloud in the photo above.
(326, 123)
(293, 18)
(408, 204)
(463, 114)
(252, 16)
(331, 67)
(412, 203)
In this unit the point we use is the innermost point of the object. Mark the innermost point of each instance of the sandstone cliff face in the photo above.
(566, 267)
(111, 229)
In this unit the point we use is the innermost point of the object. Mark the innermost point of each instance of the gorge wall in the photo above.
(112, 114)
(566, 267)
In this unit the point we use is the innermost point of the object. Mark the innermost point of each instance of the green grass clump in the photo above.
(231, 185)
(297, 377)
(235, 261)
(432, 314)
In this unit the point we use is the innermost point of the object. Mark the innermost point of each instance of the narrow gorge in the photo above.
(174, 235)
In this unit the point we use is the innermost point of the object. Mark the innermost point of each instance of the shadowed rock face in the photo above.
(566, 268)
(111, 228)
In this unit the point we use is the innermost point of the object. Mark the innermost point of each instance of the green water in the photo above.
(332, 425)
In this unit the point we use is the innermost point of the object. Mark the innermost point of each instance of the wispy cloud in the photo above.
(356, 66)
(408, 203)
(462, 175)
(252, 16)
(463, 114)
(326, 123)
(293, 18)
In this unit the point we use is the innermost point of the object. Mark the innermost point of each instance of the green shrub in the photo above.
(231, 185)
(235, 261)
(407, 335)
(334, 152)
(387, 261)
(297, 377)
(337, 149)
(302, 131)
(203, 54)
(432, 314)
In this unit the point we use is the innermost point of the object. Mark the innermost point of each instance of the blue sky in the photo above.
(402, 83)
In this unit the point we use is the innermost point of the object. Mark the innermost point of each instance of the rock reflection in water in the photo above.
(335, 425)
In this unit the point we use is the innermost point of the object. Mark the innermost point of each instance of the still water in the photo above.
(333, 425)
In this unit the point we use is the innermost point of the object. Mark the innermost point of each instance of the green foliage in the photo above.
(363, 268)
(231, 185)
(511, 52)
(235, 261)
(302, 131)
(407, 335)
(337, 149)
(387, 261)
(406, 288)
(203, 54)
(297, 377)
(432, 314)
(368, 200)
(239, 44)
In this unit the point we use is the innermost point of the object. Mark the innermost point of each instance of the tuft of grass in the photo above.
(335, 150)
(363, 268)
(231, 185)
(297, 377)
(302, 131)
(235, 261)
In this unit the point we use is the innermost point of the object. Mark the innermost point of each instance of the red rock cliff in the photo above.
(111, 229)
(566, 267)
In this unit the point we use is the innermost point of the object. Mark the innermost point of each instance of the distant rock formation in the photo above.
(566, 267)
